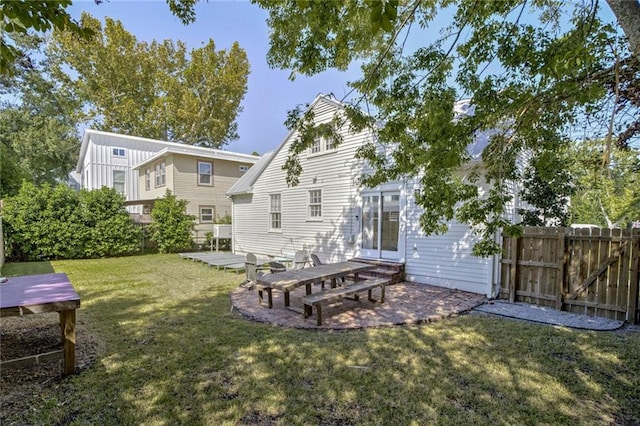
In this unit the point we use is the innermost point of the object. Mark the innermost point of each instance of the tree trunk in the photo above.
(628, 15)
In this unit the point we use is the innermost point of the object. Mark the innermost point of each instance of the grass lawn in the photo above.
(173, 353)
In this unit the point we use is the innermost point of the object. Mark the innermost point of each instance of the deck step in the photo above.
(392, 271)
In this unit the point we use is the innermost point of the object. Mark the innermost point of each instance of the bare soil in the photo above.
(32, 335)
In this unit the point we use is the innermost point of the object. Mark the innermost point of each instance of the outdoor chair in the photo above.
(275, 267)
(253, 271)
(315, 261)
(300, 259)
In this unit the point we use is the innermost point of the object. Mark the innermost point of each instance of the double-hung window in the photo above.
(316, 148)
(206, 214)
(315, 204)
(205, 173)
(160, 174)
(275, 212)
(119, 181)
(147, 178)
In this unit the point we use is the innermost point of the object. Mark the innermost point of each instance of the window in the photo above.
(322, 145)
(275, 212)
(329, 145)
(160, 174)
(147, 178)
(205, 172)
(244, 168)
(118, 152)
(118, 181)
(315, 204)
(206, 214)
(316, 147)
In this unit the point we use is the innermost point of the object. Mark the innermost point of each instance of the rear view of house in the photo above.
(328, 213)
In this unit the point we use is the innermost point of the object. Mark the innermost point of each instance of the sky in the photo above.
(270, 93)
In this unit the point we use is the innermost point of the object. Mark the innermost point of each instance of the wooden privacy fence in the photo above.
(590, 271)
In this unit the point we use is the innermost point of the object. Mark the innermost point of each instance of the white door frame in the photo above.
(378, 253)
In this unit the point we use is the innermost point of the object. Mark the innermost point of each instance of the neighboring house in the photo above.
(201, 176)
(143, 169)
(330, 214)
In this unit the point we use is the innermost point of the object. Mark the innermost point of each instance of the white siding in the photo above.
(99, 163)
(334, 173)
(442, 260)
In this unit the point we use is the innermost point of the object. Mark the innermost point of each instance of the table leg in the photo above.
(68, 327)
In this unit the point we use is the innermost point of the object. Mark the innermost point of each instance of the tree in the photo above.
(171, 226)
(546, 190)
(531, 82)
(155, 90)
(607, 196)
(38, 138)
(19, 18)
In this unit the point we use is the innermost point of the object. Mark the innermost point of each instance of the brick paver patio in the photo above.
(406, 303)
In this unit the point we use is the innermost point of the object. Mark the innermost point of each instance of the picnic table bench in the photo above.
(329, 295)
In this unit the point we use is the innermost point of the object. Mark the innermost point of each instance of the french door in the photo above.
(381, 225)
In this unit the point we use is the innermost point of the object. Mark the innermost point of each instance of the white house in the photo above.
(329, 214)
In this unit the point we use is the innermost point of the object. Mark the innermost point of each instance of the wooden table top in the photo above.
(298, 277)
(31, 294)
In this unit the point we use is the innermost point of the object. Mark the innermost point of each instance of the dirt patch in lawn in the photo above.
(32, 335)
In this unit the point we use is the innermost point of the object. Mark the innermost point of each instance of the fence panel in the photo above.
(588, 271)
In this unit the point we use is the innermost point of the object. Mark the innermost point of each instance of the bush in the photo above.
(60, 223)
(43, 222)
(171, 226)
(110, 229)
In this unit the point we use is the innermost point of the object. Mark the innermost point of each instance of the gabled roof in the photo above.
(244, 185)
(168, 147)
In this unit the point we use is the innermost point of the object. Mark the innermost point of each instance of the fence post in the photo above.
(513, 267)
(634, 282)
(561, 263)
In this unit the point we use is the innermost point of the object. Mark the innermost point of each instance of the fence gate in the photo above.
(589, 271)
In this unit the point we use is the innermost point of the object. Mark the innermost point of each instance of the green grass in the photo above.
(175, 354)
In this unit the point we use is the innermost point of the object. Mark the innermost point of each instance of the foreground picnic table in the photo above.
(288, 281)
(36, 294)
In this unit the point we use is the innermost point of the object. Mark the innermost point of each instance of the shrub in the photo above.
(60, 223)
(171, 226)
(110, 229)
(43, 222)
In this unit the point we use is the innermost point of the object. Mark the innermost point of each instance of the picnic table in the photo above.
(289, 280)
(36, 294)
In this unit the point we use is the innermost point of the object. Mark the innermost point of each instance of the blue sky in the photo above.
(270, 93)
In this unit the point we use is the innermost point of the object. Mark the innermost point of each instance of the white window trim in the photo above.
(271, 228)
(243, 168)
(123, 183)
(162, 166)
(147, 179)
(115, 152)
(213, 214)
(323, 150)
(309, 204)
(202, 174)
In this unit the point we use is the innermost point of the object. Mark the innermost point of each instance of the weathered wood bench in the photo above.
(329, 295)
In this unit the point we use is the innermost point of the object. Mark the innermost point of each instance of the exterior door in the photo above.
(381, 225)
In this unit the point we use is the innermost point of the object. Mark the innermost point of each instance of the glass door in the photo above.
(380, 225)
